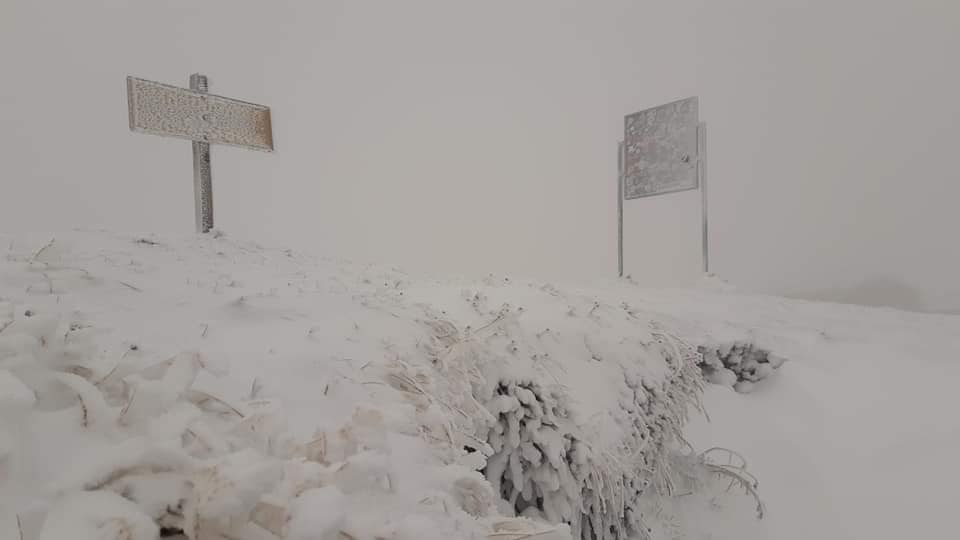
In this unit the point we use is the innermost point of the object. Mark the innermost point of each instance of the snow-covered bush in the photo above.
(545, 465)
(544, 459)
(738, 364)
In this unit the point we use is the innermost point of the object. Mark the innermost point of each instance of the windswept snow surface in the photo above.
(854, 437)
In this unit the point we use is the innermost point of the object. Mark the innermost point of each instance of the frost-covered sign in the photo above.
(161, 109)
(660, 150)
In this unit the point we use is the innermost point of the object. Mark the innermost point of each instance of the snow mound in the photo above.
(740, 365)
(215, 389)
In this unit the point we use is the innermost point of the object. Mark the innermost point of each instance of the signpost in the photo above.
(205, 119)
(663, 151)
(620, 208)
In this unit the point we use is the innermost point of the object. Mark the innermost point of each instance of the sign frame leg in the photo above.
(620, 209)
(702, 171)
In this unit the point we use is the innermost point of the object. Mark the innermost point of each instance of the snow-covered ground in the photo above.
(269, 393)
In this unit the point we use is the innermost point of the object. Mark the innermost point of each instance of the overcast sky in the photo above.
(472, 137)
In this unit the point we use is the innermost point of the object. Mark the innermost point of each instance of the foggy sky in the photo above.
(472, 137)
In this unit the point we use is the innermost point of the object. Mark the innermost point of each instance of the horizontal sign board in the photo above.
(660, 150)
(162, 109)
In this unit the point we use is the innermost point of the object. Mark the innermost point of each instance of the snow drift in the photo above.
(153, 386)
(215, 389)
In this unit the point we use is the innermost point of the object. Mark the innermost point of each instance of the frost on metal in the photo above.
(660, 150)
(161, 109)
(203, 186)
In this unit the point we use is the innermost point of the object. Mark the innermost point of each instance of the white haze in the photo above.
(481, 136)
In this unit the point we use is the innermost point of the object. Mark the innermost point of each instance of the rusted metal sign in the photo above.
(162, 109)
(660, 150)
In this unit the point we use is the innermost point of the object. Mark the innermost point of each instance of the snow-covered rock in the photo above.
(739, 365)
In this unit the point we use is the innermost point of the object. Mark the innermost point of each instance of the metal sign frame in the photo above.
(697, 147)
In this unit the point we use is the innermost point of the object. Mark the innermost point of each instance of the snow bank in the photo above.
(215, 389)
